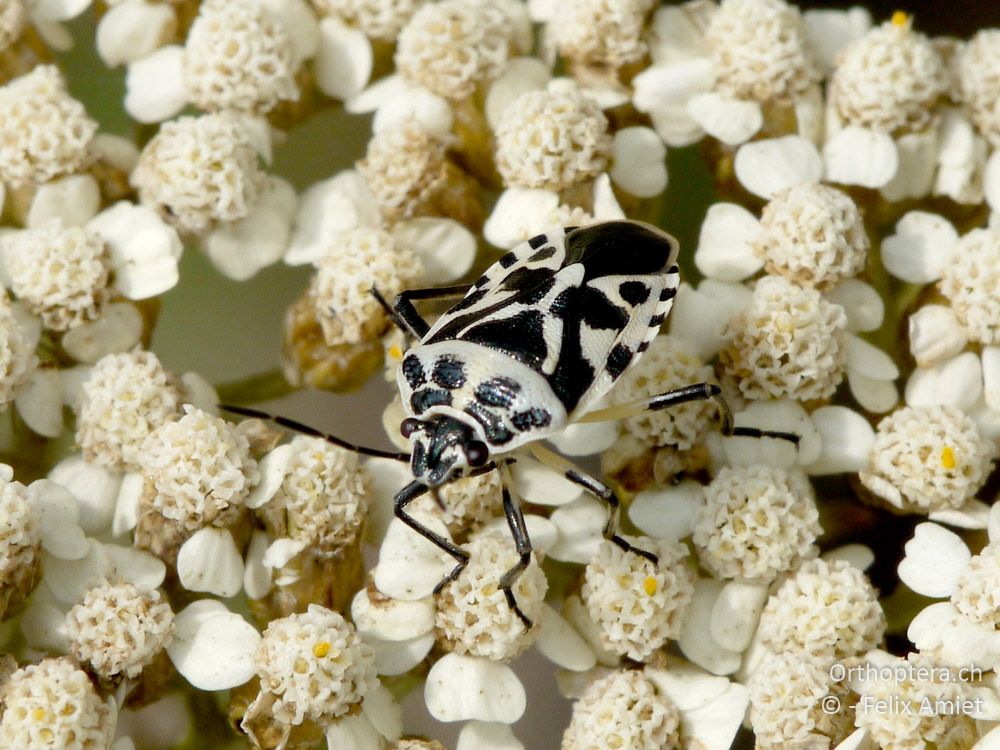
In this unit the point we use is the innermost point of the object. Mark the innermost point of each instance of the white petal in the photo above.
(958, 640)
(58, 10)
(392, 619)
(869, 360)
(118, 330)
(575, 613)
(667, 513)
(542, 532)
(282, 551)
(991, 376)
(987, 419)
(94, 487)
(858, 156)
(638, 164)
(785, 415)
(385, 714)
(714, 726)
(993, 523)
(991, 181)
(955, 382)
(862, 303)
(127, 504)
(580, 524)
(915, 175)
(44, 627)
(725, 244)
(675, 126)
(735, 614)
(299, 22)
(767, 166)
(520, 213)
(847, 439)
(701, 316)
(921, 247)
(399, 657)
(606, 207)
(520, 75)
(482, 735)
(446, 248)
(210, 562)
(200, 393)
(410, 566)
(877, 396)
(53, 34)
(856, 740)
(273, 468)
(212, 647)
(460, 688)
(677, 33)
(539, 484)
(154, 85)
(688, 687)
(40, 403)
(69, 579)
(809, 113)
(673, 84)
(387, 478)
(857, 555)
(829, 31)
(353, 733)
(133, 29)
(974, 514)
(344, 60)
(430, 111)
(585, 438)
(379, 93)
(327, 209)
(732, 121)
(135, 566)
(696, 641)
(116, 150)
(144, 250)
(73, 200)
(935, 559)
(58, 517)
(561, 644)
(935, 335)
(256, 575)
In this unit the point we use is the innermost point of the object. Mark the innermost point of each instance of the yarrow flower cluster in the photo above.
(663, 446)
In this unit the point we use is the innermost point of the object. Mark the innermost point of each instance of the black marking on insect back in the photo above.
(508, 260)
(424, 399)
(525, 278)
(642, 347)
(537, 241)
(668, 292)
(599, 312)
(656, 320)
(531, 419)
(520, 336)
(413, 371)
(537, 293)
(481, 281)
(674, 270)
(544, 254)
(469, 300)
(493, 427)
(618, 249)
(498, 391)
(618, 360)
(573, 374)
(449, 372)
(633, 292)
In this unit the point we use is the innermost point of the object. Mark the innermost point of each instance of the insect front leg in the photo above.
(519, 532)
(403, 498)
(596, 487)
(405, 315)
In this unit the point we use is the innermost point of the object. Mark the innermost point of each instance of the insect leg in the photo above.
(305, 429)
(405, 315)
(596, 487)
(696, 392)
(519, 531)
(403, 498)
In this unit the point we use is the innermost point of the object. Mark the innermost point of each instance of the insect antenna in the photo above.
(305, 429)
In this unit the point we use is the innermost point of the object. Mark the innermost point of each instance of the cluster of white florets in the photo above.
(379, 19)
(979, 78)
(468, 502)
(405, 167)
(927, 458)
(20, 543)
(601, 33)
(970, 280)
(17, 357)
(977, 593)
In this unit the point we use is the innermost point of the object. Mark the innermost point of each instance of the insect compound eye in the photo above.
(409, 426)
(476, 453)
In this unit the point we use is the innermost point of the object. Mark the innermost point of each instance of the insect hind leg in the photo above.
(403, 498)
(519, 532)
(596, 487)
(403, 313)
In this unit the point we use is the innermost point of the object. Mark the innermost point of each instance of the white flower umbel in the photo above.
(53, 704)
(757, 522)
(928, 458)
(452, 46)
(637, 605)
(118, 629)
(473, 616)
(825, 610)
(125, 397)
(600, 34)
(885, 84)
(20, 544)
(790, 342)
(365, 259)
(45, 132)
(623, 709)
(199, 171)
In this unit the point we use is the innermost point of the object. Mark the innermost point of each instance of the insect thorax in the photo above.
(504, 401)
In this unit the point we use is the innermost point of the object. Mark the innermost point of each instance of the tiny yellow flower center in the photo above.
(395, 352)
(38, 714)
(321, 649)
(901, 18)
(650, 585)
(947, 457)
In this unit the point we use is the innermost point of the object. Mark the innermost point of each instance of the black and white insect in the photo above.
(529, 348)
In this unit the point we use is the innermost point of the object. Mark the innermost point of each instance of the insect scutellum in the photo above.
(529, 348)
